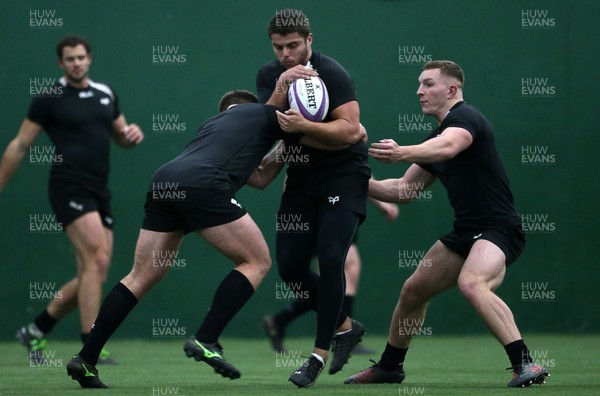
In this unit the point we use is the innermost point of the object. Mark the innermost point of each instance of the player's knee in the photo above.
(102, 259)
(469, 287)
(411, 293)
(263, 266)
(97, 261)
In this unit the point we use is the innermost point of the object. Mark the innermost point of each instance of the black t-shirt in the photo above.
(475, 180)
(306, 164)
(225, 150)
(79, 124)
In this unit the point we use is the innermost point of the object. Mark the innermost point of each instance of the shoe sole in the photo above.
(540, 379)
(308, 385)
(353, 382)
(300, 385)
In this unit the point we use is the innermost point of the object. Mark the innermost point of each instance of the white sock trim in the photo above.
(344, 332)
(319, 358)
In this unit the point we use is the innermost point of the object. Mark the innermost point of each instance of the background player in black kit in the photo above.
(195, 192)
(81, 116)
(329, 190)
(487, 235)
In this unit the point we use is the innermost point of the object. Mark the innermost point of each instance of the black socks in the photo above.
(392, 358)
(115, 308)
(231, 295)
(518, 353)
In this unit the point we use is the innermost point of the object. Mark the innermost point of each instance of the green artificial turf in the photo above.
(472, 365)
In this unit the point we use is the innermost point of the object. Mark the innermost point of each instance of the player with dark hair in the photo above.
(487, 235)
(328, 191)
(195, 192)
(80, 116)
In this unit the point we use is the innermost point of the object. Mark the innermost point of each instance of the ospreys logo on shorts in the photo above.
(334, 200)
(236, 203)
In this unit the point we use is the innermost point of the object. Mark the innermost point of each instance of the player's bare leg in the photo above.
(65, 301)
(242, 242)
(145, 274)
(352, 270)
(482, 273)
(437, 271)
(93, 245)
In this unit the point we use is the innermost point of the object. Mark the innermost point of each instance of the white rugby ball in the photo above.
(309, 96)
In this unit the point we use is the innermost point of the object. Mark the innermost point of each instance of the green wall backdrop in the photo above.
(531, 67)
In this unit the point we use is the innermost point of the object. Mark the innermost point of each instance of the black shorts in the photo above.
(71, 202)
(189, 209)
(510, 239)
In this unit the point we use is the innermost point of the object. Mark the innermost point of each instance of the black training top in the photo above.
(475, 180)
(225, 150)
(79, 124)
(306, 164)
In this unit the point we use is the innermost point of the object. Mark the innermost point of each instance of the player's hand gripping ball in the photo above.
(309, 96)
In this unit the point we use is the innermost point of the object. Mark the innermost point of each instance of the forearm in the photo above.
(279, 96)
(268, 169)
(13, 155)
(126, 135)
(336, 133)
(432, 151)
(385, 190)
(396, 190)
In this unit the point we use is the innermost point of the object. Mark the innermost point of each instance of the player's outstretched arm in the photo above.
(126, 135)
(389, 210)
(402, 190)
(268, 169)
(444, 147)
(16, 149)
